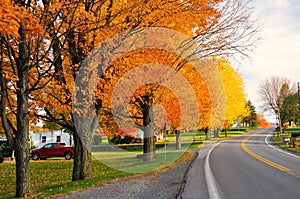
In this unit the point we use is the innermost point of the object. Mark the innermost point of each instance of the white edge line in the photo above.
(276, 148)
(210, 179)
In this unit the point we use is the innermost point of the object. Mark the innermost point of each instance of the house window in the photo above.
(58, 138)
(43, 139)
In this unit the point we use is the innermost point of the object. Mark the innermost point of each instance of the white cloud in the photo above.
(279, 3)
(279, 52)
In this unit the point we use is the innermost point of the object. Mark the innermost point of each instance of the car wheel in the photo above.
(35, 156)
(68, 155)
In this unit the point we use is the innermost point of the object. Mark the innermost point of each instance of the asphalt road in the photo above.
(244, 167)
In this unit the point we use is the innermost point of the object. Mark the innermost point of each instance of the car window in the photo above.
(54, 145)
(47, 146)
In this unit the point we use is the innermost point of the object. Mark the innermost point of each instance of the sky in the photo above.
(278, 53)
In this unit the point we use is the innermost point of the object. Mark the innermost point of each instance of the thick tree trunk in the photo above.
(149, 145)
(83, 135)
(23, 167)
(206, 130)
(82, 168)
(22, 142)
(22, 135)
(178, 142)
(148, 149)
(216, 133)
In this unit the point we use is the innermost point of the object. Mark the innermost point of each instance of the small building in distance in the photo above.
(42, 138)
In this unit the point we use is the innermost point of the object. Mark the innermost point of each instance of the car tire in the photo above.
(68, 155)
(35, 156)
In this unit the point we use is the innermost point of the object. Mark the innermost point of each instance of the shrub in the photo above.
(295, 134)
(1, 155)
(5, 149)
(97, 139)
(1, 158)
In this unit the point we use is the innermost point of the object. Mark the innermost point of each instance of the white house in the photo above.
(40, 139)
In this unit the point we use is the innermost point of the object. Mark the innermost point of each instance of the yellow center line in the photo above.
(277, 166)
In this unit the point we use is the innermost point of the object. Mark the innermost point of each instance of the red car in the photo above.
(57, 149)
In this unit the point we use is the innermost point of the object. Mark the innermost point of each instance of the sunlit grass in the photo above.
(54, 177)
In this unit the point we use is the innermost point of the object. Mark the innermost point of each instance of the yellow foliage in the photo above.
(234, 90)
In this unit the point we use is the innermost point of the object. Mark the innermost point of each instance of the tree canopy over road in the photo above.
(44, 44)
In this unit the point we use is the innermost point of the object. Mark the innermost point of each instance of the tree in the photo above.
(290, 111)
(272, 92)
(78, 28)
(68, 31)
(167, 89)
(117, 18)
(250, 119)
(20, 74)
(234, 93)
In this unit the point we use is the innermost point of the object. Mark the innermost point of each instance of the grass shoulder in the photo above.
(287, 139)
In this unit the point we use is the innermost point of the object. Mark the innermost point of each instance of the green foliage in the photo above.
(295, 134)
(292, 129)
(290, 108)
(251, 119)
(1, 155)
(5, 150)
(117, 139)
(97, 139)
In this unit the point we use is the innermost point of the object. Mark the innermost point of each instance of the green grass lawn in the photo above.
(52, 177)
(292, 129)
(132, 164)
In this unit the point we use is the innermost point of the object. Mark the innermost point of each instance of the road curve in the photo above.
(244, 167)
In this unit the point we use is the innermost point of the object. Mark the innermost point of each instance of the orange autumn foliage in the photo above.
(12, 16)
(262, 121)
(162, 62)
(94, 24)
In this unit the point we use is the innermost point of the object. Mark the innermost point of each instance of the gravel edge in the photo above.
(168, 184)
(182, 186)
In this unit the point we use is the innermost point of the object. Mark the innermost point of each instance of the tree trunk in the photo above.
(226, 129)
(22, 140)
(22, 154)
(22, 134)
(178, 142)
(23, 167)
(216, 133)
(85, 127)
(149, 146)
(206, 130)
(279, 122)
(82, 168)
